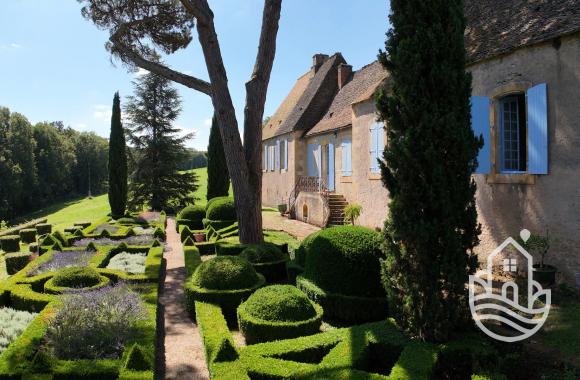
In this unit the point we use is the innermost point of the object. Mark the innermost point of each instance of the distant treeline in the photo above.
(46, 162)
(196, 160)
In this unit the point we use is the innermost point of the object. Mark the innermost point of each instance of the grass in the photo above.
(201, 191)
(562, 330)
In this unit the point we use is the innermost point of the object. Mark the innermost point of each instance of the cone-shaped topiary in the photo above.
(117, 162)
(137, 360)
(278, 312)
(218, 178)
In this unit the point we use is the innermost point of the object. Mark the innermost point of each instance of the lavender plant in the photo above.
(62, 260)
(132, 263)
(141, 240)
(12, 324)
(95, 324)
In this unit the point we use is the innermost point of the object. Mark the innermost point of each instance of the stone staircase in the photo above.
(336, 203)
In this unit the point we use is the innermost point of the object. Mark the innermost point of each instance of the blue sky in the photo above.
(53, 64)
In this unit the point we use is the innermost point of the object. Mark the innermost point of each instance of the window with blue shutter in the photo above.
(319, 160)
(537, 114)
(286, 154)
(346, 157)
(330, 179)
(265, 158)
(480, 126)
(376, 146)
(311, 160)
(277, 155)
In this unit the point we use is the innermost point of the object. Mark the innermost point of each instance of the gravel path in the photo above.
(296, 228)
(184, 357)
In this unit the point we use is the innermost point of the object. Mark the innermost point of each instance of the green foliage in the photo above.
(10, 243)
(427, 168)
(28, 235)
(345, 260)
(13, 323)
(263, 253)
(279, 303)
(16, 261)
(117, 162)
(43, 228)
(137, 359)
(132, 263)
(76, 277)
(192, 212)
(352, 212)
(221, 209)
(536, 245)
(158, 150)
(218, 178)
(225, 273)
(218, 342)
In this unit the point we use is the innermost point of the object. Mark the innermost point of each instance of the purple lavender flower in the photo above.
(63, 259)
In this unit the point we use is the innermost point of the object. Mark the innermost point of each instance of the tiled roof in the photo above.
(361, 87)
(496, 27)
(301, 110)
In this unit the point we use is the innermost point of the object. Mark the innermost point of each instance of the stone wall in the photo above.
(310, 208)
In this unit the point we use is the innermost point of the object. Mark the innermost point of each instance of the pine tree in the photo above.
(117, 162)
(155, 179)
(432, 224)
(218, 177)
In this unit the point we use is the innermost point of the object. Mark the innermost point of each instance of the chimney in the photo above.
(318, 60)
(344, 73)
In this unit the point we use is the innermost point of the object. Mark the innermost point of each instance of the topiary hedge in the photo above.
(268, 260)
(191, 216)
(71, 278)
(16, 261)
(43, 228)
(10, 243)
(216, 199)
(221, 209)
(28, 235)
(226, 281)
(278, 312)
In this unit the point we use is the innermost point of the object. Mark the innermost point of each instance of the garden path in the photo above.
(274, 221)
(184, 357)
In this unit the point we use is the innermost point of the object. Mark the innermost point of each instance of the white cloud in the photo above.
(15, 46)
(102, 111)
(207, 122)
(140, 72)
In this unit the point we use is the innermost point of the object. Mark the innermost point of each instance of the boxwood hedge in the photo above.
(268, 260)
(10, 243)
(28, 235)
(16, 261)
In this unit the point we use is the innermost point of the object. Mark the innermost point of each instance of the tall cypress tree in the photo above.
(117, 162)
(432, 227)
(218, 177)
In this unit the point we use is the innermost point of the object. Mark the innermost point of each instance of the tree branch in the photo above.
(125, 51)
(199, 9)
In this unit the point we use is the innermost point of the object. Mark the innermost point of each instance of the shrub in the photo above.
(268, 260)
(43, 228)
(28, 235)
(221, 209)
(59, 236)
(225, 273)
(229, 247)
(193, 212)
(131, 263)
(351, 212)
(76, 277)
(10, 243)
(16, 261)
(33, 247)
(64, 259)
(345, 260)
(216, 199)
(278, 312)
(95, 324)
(137, 359)
(13, 323)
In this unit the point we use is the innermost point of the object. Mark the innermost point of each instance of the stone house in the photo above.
(321, 145)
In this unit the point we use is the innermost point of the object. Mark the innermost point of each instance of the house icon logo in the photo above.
(514, 314)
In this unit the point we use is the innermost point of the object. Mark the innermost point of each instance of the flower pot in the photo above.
(199, 237)
(545, 275)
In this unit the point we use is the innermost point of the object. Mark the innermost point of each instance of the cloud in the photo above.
(102, 111)
(140, 72)
(15, 46)
(207, 122)
(12, 45)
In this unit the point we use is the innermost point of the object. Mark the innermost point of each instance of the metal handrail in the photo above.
(305, 183)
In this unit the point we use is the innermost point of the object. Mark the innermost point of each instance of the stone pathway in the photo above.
(296, 228)
(184, 357)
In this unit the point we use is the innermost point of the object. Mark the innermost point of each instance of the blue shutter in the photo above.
(265, 157)
(380, 143)
(537, 129)
(319, 160)
(480, 127)
(277, 154)
(331, 166)
(286, 154)
(346, 157)
(311, 160)
(373, 150)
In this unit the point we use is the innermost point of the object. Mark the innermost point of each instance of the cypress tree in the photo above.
(218, 178)
(117, 162)
(432, 227)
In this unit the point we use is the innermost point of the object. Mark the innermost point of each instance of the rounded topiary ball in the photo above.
(215, 199)
(76, 277)
(225, 273)
(195, 212)
(221, 209)
(345, 260)
(263, 253)
(278, 312)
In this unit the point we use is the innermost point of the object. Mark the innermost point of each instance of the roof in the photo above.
(308, 100)
(269, 130)
(362, 86)
(496, 27)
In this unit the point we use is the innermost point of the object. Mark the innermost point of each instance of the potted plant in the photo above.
(282, 208)
(538, 245)
(351, 212)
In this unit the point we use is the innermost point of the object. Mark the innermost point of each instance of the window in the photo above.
(283, 157)
(346, 157)
(521, 135)
(265, 158)
(512, 133)
(510, 265)
(271, 157)
(377, 146)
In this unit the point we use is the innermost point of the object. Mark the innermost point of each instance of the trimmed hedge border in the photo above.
(50, 288)
(16, 229)
(16, 261)
(10, 243)
(43, 228)
(350, 309)
(28, 235)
